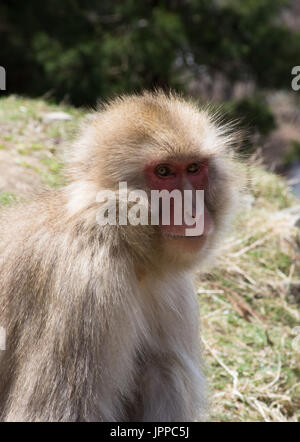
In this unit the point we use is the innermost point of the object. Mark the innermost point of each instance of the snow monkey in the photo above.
(102, 321)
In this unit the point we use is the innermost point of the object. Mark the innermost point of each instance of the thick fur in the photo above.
(102, 322)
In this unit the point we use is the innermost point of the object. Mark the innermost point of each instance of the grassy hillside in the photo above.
(250, 302)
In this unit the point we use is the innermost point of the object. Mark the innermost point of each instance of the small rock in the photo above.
(294, 213)
(57, 116)
(294, 210)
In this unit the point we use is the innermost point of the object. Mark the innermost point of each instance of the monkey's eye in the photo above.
(193, 168)
(163, 171)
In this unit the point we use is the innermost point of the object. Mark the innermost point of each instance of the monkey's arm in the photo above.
(64, 310)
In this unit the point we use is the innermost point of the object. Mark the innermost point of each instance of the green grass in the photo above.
(35, 143)
(259, 273)
(7, 199)
(250, 338)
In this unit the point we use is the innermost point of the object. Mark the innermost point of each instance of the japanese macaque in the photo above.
(102, 320)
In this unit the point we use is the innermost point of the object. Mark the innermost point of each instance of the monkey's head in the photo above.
(155, 142)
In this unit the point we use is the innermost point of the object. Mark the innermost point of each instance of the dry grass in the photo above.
(250, 303)
(251, 318)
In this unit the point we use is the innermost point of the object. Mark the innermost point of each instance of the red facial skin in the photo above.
(180, 178)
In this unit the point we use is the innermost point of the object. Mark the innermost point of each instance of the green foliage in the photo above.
(293, 154)
(257, 114)
(85, 50)
(256, 118)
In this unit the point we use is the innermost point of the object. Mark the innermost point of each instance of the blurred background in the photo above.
(237, 53)
(61, 57)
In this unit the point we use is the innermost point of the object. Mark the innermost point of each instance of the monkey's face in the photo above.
(187, 221)
(158, 143)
